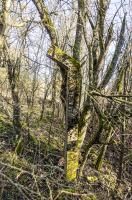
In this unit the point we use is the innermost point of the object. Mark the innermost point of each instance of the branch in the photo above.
(90, 195)
(94, 93)
(101, 20)
(79, 30)
(111, 68)
(106, 46)
(46, 20)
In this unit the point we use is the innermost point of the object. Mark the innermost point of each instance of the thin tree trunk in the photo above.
(123, 127)
(13, 68)
(43, 103)
(13, 76)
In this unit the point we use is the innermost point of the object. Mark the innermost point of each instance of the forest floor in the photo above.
(35, 170)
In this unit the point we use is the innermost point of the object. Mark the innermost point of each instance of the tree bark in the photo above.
(13, 68)
(13, 76)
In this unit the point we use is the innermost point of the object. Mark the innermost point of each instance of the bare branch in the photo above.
(111, 68)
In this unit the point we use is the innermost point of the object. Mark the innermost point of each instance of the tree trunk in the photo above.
(13, 68)
(13, 76)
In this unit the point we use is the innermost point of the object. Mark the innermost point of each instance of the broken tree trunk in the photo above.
(76, 124)
(72, 74)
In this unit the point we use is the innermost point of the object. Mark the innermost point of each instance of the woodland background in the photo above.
(65, 99)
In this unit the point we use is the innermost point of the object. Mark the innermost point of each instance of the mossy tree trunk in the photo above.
(71, 80)
(13, 76)
(71, 97)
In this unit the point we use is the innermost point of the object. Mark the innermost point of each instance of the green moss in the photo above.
(5, 124)
(120, 83)
(19, 147)
(74, 156)
(92, 179)
(72, 165)
(84, 118)
(72, 190)
(34, 139)
(56, 51)
(60, 56)
(13, 159)
(101, 155)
